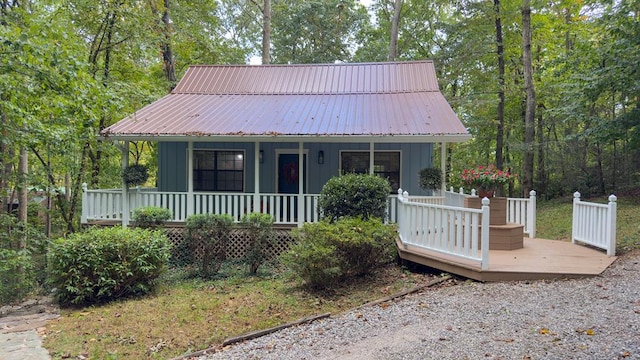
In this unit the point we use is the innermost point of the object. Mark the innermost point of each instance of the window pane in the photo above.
(386, 165)
(218, 170)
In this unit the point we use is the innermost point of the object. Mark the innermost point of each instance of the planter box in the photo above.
(498, 207)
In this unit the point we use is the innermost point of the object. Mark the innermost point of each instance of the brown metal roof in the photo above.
(365, 101)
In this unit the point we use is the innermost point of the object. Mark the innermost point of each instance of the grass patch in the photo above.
(554, 220)
(191, 314)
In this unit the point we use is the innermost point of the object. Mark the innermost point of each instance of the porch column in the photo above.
(256, 178)
(443, 166)
(371, 155)
(301, 180)
(125, 187)
(189, 178)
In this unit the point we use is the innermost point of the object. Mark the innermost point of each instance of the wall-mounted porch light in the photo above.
(321, 157)
(261, 156)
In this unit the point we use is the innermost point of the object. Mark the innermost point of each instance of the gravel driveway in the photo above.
(592, 318)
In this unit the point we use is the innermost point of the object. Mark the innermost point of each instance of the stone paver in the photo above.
(23, 345)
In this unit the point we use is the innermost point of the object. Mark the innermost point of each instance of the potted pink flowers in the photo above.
(485, 179)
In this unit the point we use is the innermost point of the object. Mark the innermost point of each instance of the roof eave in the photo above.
(429, 138)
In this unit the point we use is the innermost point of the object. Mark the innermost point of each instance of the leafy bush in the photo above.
(210, 232)
(104, 264)
(22, 259)
(354, 195)
(259, 228)
(151, 216)
(326, 253)
(136, 174)
(17, 277)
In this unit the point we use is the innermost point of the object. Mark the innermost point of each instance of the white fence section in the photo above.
(523, 211)
(595, 224)
(451, 230)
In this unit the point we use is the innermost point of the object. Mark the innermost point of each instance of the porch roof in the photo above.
(391, 102)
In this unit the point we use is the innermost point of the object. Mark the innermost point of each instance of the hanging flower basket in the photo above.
(135, 175)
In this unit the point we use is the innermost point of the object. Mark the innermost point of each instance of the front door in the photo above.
(289, 174)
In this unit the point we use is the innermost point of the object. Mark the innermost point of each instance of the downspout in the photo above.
(301, 180)
(125, 186)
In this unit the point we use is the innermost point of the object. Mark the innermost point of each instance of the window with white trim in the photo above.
(218, 170)
(385, 164)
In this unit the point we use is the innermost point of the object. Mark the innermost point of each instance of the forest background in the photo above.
(548, 89)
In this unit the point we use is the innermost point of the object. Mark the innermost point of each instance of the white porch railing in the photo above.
(595, 224)
(519, 210)
(108, 204)
(451, 230)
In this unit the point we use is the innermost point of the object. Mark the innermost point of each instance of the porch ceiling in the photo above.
(390, 102)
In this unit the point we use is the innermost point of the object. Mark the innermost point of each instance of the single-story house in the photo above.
(247, 130)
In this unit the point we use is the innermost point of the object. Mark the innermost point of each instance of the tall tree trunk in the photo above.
(530, 111)
(395, 23)
(541, 183)
(167, 53)
(500, 114)
(23, 191)
(266, 32)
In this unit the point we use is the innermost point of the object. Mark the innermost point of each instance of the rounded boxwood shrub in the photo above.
(326, 253)
(430, 178)
(151, 216)
(354, 195)
(104, 264)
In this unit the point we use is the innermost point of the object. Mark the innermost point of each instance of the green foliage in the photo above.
(151, 216)
(430, 178)
(326, 253)
(136, 174)
(104, 264)
(22, 259)
(209, 233)
(354, 195)
(259, 228)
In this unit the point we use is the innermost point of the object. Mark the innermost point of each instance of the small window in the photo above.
(215, 170)
(385, 164)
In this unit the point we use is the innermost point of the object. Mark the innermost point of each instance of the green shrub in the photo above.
(259, 228)
(104, 264)
(209, 232)
(326, 253)
(354, 195)
(17, 277)
(22, 259)
(151, 216)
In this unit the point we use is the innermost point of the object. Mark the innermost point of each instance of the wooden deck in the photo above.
(538, 259)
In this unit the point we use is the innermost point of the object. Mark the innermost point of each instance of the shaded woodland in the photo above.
(549, 90)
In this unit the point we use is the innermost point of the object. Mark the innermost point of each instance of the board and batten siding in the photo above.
(172, 162)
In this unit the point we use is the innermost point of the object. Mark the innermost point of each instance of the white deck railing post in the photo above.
(531, 214)
(484, 237)
(611, 225)
(575, 220)
(85, 204)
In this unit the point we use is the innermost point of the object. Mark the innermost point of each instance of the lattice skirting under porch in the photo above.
(183, 254)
